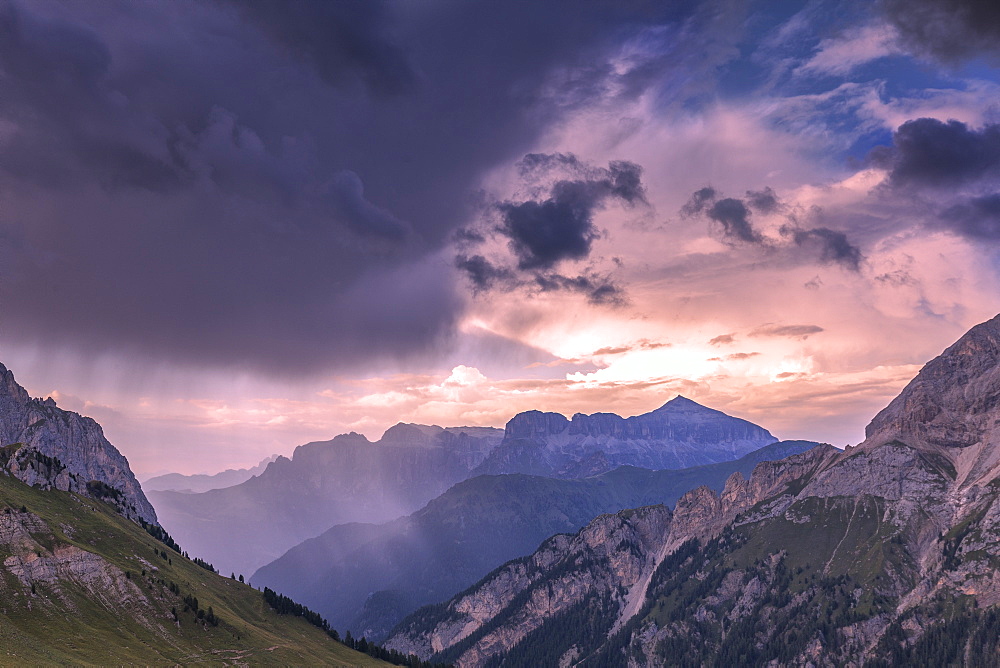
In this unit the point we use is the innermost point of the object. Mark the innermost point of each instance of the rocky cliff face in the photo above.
(48, 447)
(886, 553)
(952, 402)
(679, 434)
(604, 559)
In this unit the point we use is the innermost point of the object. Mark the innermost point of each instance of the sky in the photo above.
(228, 228)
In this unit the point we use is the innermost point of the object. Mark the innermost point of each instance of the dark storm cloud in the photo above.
(598, 289)
(700, 200)
(732, 213)
(979, 218)
(483, 274)
(266, 183)
(831, 246)
(344, 40)
(950, 30)
(542, 233)
(734, 216)
(929, 152)
(55, 92)
(557, 227)
(561, 227)
(764, 200)
(347, 195)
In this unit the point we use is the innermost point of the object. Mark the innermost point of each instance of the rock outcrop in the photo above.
(48, 447)
(680, 434)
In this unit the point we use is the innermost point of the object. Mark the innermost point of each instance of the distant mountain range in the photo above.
(367, 577)
(201, 482)
(886, 554)
(350, 479)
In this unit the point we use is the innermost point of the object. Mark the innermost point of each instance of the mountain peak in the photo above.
(64, 450)
(683, 403)
(952, 399)
(9, 386)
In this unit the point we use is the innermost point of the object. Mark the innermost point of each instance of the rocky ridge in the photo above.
(564, 568)
(883, 554)
(679, 434)
(51, 448)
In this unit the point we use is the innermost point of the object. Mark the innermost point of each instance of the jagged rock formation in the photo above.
(679, 434)
(366, 577)
(346, 479)
(884, 554)
(200, 482)
(48, 447)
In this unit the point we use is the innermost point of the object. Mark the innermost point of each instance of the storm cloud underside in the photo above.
(275, 195)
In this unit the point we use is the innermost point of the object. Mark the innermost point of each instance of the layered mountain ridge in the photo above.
(345, 479)
(352, 479)
(45, 446)
(203, 482)
(679, 434)
(884, 554)
(367, 577)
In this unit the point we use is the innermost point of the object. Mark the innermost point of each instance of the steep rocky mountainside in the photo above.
(366, 577)
(884, 554)
(679, 434)
(346, 479)
(82, 585)
(46, 446)
(202, 482)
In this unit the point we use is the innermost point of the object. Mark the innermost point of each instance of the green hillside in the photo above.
(82, 585)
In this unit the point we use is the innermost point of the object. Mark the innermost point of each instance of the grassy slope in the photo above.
(67, 625)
